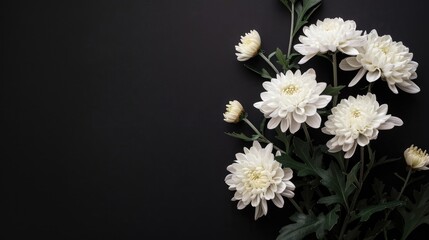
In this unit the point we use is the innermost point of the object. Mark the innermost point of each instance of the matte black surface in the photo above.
(111, 112)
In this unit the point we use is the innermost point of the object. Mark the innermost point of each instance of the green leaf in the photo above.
(265, 74)
(307, 224)
(377, 229)
(335, 181)
(332, 91)
(242, 136)
(302, 149)
(300, 168)
(287, 4)
(304, 11)
(365, 214)
(286, 139)
(329, 200)
(351, 177)
(417, 212)
(252, 69)
(281, 59)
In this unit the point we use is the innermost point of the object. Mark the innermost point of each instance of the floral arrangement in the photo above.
(323, 178)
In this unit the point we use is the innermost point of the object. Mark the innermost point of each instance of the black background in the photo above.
(111, 112)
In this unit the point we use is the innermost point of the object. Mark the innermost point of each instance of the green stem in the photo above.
(356, 195)
(405, 183)
(334, 70)
(298, 208)
(292, 19)
(269, 62)
(362, 165)
(262, 137)
(410, 170)
(307, 135)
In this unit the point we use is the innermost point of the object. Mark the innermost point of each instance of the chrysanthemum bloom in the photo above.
(293, 99)
(356, 121)
(257, 177)
(249, 46)
(383, 58)
(234, 112)
(329, 35)
(416, 158)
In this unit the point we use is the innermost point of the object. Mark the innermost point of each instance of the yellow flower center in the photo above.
(254, 175)
(257, 180)
(384, 49)
(291, 89)
(356, 113)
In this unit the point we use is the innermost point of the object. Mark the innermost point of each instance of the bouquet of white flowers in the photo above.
(321, 178)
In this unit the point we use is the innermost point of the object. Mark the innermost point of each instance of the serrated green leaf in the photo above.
(304, 12)
(331, 218)
(416, 212)
(332, 91)
(243, 136)
(335, 181)
(281, 59)
(302, 149)
(351, 177)
(365, 214)
(308, 224)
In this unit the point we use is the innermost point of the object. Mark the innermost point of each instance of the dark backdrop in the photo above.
(111, 112)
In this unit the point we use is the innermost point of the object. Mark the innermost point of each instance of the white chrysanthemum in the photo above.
(416, 158)
(257, 177)
(249, 46)
(293, 99)
(357, 121)
(234, 111)
(383, 58)
(329, 35)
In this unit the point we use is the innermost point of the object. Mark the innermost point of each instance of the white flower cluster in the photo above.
(292, 99)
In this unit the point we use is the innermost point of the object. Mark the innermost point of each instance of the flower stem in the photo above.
(262, 137)
(334, 70)
(298, 208)
(269, 62)
(307, 135)
(356, 195)
(292, 19)
(410, 170)
(405, 183)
